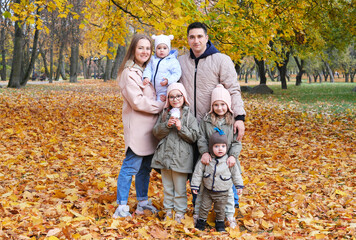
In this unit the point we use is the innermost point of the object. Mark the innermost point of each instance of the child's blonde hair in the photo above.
(229, 118)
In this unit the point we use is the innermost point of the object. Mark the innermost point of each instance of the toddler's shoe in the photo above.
(122, 211)
(220, 226)
(232, 222)
(145, 205)
(178, 217)
(200, 224)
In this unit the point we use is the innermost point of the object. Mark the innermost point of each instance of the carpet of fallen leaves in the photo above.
(61, 147)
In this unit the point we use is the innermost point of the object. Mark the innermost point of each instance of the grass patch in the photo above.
(334, 98)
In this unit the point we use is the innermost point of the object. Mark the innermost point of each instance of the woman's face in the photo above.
(142, 51)
(176, 98)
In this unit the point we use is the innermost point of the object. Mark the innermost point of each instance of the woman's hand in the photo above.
(239, 191)
(205, 158)
(195, 191)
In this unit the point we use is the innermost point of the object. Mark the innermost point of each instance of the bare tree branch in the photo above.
(131, 14)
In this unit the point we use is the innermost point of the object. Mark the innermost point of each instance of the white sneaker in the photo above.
(122, 211)
(232, 222)
(178, 217)
(169, 215)
(195, 218)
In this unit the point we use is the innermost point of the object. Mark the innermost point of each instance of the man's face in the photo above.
(197, 40)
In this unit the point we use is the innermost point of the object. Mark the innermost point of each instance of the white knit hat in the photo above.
(222, 94)
(163, 39)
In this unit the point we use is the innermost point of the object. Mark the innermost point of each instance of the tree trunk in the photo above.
(346, 77)
(3, 53)
(43, 54)
(300, 66)
(310, 78)
(60, 64)
(16, 68)
(86, 67)
(320, 76)
(120, 54)
(261, 70)
(109, 63)
(282, 68)
(74, 62)
(34, 55)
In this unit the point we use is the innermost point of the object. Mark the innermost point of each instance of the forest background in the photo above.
(61, 144)
(53, 39)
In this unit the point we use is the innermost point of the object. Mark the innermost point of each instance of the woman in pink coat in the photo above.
(139, 114)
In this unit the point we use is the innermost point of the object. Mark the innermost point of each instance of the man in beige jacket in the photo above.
(204, 67)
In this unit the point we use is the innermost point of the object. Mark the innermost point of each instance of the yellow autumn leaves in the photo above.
(62, 145)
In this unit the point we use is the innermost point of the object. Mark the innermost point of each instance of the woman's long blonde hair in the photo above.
(130, 54)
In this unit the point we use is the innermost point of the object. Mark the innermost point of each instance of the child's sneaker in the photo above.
(232, 222)
(169, 215)
(145, 205)
(195, 218)
(178, 217)
(122, 211)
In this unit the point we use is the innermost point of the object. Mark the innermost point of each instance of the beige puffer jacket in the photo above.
(212, 70)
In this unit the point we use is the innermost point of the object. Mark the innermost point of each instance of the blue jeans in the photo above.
(236, 197)
(133, 165)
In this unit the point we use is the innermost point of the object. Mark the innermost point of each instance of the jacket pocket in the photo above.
(225, 178)
(206, 175)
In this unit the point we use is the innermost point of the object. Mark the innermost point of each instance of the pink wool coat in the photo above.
(139, 112)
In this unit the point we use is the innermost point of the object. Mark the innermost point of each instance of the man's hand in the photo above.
(239, 126)
(231, 161)
(205, 158)
(164, 82)
(146, 81)
(239, 191)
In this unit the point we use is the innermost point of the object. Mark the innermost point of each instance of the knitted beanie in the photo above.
(163, 39)
(218, 136)
(222, 94)
(177, 86)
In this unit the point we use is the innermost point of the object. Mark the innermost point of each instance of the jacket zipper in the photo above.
(195, 88)
(154, 78)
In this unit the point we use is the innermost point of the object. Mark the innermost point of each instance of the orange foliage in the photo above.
(62, 145)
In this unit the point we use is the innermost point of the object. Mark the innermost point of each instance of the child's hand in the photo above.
(178, 124)
(205, 158)
(171, 121)
(164, 82)
(163, 98)
(195, 191)
(239, 191)
(146, 81)
(231, 161)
